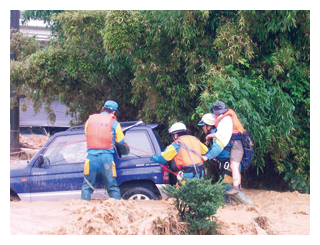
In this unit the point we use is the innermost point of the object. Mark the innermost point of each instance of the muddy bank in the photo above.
(275, 213)
(98, 217)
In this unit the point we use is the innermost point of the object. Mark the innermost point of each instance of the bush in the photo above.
(197, 202)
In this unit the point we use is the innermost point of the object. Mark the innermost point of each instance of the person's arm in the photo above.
(224, 130)
(214, 151)
(119, 139)
(209, 136)
(86, 126)
(167, 155)
(204, 148)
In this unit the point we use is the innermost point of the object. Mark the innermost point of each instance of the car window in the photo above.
(67, 149)
(139, 145)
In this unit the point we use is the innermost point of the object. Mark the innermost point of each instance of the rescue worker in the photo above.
(229, 128)
(207, 123)
(103, 131)
(186, 152)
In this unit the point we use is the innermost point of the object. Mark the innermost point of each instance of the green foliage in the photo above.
(22, 45)
(234, 46)
(168, 66)
(265, 112)
(45, 15)
(167, 51)
(197, 202)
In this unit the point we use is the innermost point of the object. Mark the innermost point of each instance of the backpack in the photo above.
(248, 151)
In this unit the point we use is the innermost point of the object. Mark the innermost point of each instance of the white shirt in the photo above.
(224, 130)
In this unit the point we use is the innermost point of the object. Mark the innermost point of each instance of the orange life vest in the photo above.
(237, 126)
(99, 131)
(183, 158)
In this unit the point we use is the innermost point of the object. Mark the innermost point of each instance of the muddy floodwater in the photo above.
(274, 213)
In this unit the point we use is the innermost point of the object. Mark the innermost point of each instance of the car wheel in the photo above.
(139, 193)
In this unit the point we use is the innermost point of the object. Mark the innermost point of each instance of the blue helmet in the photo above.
(112, 105)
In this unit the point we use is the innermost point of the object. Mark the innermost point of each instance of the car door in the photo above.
(134, 163)
(61, 176)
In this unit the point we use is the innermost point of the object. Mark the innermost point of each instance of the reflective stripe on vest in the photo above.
(183, 157)
(237, 126)
(99, 131)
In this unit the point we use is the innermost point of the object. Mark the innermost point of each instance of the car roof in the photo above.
(124, 126)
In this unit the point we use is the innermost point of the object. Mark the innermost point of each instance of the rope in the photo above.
(186, 147)
(149, 153)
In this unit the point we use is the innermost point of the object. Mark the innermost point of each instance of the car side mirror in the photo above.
(40, 160)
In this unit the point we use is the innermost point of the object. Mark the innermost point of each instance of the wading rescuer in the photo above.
(186, 152)
(229, 128)
(207, 123)
(103, 131)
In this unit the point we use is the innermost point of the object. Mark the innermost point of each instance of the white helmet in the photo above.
(177, 127)
(207, 119)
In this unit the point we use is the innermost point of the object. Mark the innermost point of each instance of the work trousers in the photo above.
(100, 164)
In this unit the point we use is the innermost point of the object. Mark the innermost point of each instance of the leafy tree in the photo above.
(72, 69)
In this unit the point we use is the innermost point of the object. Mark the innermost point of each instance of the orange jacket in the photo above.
(183, 157)
(99, 131)
(237, 126)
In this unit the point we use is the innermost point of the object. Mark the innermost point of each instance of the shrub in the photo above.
(197, 202)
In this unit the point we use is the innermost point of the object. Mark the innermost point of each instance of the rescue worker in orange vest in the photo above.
(103, 131)
(186, 152)
(229, 128)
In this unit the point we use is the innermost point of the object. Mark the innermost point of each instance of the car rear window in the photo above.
(67, 149)
(138, 144)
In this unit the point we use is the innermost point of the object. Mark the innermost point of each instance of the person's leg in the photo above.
(90, 173)
(109, 177)
(235, 159)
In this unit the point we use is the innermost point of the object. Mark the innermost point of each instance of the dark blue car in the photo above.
(56, 171)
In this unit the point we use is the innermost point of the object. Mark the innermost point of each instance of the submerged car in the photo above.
(56, 171)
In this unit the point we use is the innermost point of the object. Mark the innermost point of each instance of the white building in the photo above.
(35, 28)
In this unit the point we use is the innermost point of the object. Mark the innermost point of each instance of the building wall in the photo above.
(35, 28)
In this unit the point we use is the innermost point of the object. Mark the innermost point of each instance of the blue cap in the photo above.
(112, 105)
